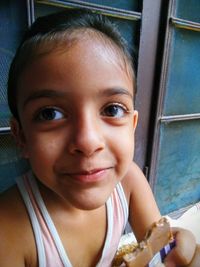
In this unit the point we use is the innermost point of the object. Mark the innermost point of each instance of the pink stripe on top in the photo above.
(51, 252)
(46, 235)
(118, 222)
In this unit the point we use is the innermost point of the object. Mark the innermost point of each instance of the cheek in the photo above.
(43, 149)
(123, 148)
(127, 147)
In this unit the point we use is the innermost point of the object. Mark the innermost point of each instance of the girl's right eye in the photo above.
(49, 114)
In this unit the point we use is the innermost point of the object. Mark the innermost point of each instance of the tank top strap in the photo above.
(50, 249)
(54, 252)
(117, 216)
(34, 222)
(123, 201)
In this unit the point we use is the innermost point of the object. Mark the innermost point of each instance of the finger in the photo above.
(169, 264)
(184, 250)
(196, 259)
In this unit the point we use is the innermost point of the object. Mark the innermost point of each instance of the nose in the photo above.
(87, 136)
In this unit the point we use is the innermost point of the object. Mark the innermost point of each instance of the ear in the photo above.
(19, 137)
(135, 119)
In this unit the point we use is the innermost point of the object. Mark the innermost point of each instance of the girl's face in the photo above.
(78, 122)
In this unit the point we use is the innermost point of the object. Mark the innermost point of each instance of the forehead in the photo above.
(87, 65)
(90, 45)
(64, 41)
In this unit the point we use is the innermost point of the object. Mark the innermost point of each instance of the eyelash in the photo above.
(120, 106)
(41, 112)
(107, 111)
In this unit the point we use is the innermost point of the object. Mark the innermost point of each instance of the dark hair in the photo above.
(51, 29)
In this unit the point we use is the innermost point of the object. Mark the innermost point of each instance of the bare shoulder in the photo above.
(143, 210)
(15, 230)
(10, 202)
(134, 180)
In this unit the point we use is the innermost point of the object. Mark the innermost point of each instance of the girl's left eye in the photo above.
(115, 110)
(49, 114)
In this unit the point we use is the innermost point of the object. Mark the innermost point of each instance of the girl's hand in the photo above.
(184, 253)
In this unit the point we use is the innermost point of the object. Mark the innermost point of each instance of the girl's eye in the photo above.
(49, 114)
(115, 110)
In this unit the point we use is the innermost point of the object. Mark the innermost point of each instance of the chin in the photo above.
(90, 204)
(90, 201)
(88, 198)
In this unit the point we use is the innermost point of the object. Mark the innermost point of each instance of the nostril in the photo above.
(86, 152)
(78, 151)
(86, 136)
(86, 147)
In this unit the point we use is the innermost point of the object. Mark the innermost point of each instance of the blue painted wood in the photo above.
(178, 171)
(133, 5)
(13, 23)
(126, 5)
(183, 81)
(123, 4)
(188, 10)
(177, 181)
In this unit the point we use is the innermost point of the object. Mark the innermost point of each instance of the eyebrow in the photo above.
(117, 91)
(45, 93)
(50, 93)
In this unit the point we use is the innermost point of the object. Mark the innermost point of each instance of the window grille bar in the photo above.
(106, 10)
(4, 130)
(174, 118)
(30, 11)
(185, 24)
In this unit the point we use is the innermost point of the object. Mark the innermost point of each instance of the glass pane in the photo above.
(178, 167)
(188, 10)
(183, 78)
(122, 4)
(11, 164)
(133, 5)
(42, 10)
(130, 31)
(13, 22)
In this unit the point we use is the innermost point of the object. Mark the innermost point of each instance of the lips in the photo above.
(94, 175)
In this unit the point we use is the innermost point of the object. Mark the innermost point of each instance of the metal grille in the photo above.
(5, 59)
(11, 162)
(9, 152)
(13, 21)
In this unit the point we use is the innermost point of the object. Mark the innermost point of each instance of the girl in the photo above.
(71, 89)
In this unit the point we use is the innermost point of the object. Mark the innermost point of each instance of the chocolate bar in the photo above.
(151, 251)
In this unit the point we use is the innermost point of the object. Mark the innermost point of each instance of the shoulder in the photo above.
(12, 209)
(10, 202)
(15, 229)
(143, 210)
(134, 180)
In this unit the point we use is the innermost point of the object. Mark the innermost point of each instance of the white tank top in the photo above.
(50, 250)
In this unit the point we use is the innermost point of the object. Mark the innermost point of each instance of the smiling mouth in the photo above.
(90, 176)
